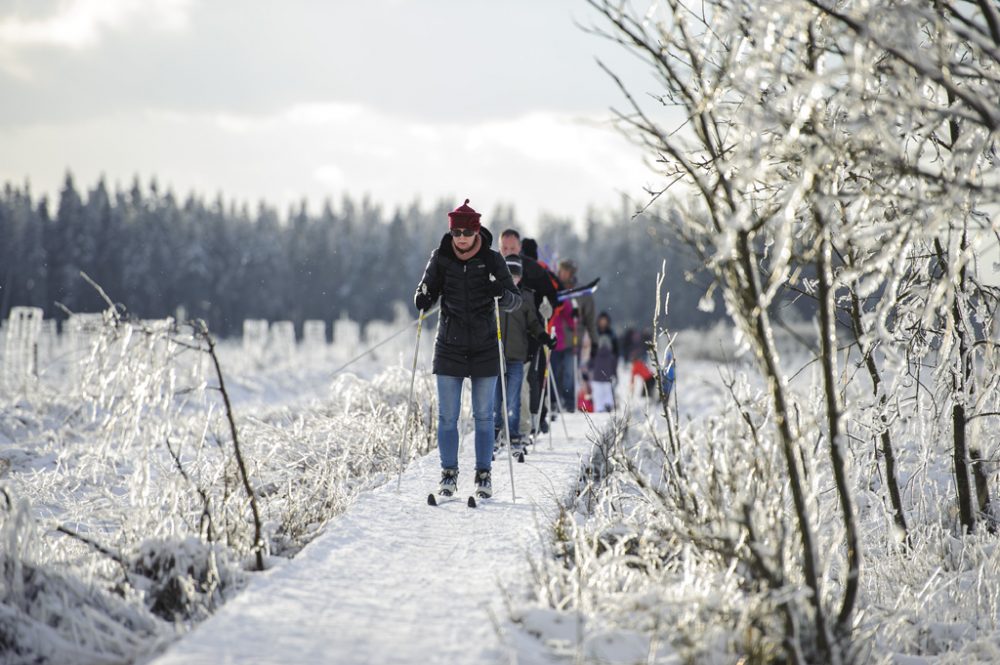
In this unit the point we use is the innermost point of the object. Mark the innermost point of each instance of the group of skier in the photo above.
(507, 300)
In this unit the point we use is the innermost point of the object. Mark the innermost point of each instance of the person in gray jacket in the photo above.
(517, 328)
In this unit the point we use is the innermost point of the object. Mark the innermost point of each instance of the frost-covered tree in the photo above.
(936, 93)
(846, 150)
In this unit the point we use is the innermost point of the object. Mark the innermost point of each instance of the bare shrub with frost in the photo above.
(48, 614)
(692, 546)
(686, 539)
(127, 514)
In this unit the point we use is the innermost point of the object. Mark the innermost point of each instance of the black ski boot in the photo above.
(449, 482)
(484, 486)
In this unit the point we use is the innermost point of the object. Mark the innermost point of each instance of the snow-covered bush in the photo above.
(182, 580)
(128, 518)
(683, 540)
(311, 464)
(54, 615)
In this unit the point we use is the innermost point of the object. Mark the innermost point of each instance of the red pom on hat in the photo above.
(464, 217)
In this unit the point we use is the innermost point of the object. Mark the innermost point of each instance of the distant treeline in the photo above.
(155, 253)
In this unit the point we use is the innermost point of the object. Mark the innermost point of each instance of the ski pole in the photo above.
(576, 347)
(547, 392)
(503, 393)
(541, 381)
(562, 408)
(536, 417)
(409, 402)
(576, 367)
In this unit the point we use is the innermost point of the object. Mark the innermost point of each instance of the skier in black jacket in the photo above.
(467, 275)
(533, 275)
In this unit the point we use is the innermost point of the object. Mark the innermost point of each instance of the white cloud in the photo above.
(324, 113)
(81, 24)
(542, 137)
(330, 175)
(316, 114)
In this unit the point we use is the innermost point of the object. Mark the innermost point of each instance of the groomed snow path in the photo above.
(394, 580)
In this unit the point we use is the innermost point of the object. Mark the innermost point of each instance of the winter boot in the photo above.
(484, 486)
(449, 482)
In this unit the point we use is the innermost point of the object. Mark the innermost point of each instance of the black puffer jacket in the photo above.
(536, 278)
(466, 342)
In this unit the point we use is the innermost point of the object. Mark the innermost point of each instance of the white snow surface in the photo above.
(394, 580)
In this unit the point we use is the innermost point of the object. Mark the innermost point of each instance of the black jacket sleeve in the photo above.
(548, 289)
(535, 326)
(537, 279)
(429, 288)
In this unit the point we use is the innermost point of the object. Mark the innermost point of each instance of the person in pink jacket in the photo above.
(564, 329)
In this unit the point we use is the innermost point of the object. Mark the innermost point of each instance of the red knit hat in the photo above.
(463, 217)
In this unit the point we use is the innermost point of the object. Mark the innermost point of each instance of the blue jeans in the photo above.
(515, 374)
(562, 372)
(450, 403)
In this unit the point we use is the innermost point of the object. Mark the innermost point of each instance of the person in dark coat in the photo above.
(467, 275)
(533, 276)
(545, 285)
(518, 330)
(604, 365)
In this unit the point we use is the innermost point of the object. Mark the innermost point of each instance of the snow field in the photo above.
(394, 580)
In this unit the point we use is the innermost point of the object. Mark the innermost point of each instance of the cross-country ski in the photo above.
(577, 291)
(440, 498)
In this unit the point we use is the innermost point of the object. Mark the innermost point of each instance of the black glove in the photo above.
(496, 289)
(548, 340)
(422, 299)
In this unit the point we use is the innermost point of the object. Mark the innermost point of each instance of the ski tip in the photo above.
(472, 502)
(431, 500)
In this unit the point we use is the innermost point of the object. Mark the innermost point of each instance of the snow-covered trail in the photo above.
(394, 580)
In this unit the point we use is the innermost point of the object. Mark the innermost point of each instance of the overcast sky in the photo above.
(501, 102)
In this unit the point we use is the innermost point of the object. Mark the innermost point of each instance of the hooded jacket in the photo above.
(466, 343)
(520, 327)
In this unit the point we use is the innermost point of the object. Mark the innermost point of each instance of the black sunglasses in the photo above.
(468, 233)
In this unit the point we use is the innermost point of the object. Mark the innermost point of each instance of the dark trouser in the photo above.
(562, 370)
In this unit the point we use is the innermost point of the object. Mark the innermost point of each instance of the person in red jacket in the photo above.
(563, 356)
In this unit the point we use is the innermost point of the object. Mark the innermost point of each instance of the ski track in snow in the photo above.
(394, 580)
